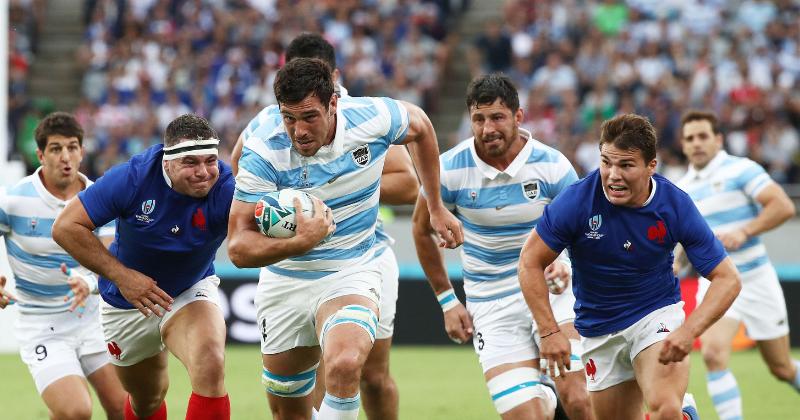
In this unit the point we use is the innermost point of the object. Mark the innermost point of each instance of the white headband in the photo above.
(191, 148)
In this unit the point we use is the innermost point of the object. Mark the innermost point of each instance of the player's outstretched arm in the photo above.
(457, 321)
(424, 148)
(776, 209)
(399, 184)
(73, 231)
(248, 248)
(535, 257)
(725, 286)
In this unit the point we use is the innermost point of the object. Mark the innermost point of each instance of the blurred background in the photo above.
(126, 68)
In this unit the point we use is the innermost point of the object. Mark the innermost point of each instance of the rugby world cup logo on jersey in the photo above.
(34, 221)
(595, 222)
(147, 207)
(531, 189)
(361, 155)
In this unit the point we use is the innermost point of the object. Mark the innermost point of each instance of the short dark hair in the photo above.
(57, 123)
(630, 131)
(188, 126)
(302, 77)
(701, 115)
(309, 45)
(485, 89)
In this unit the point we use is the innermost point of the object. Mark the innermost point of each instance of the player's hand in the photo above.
(6, 297)
(317, 227)
(458, 324)
(557, 277)
(78, 290)
(554, 354)
(676, 346)
(732, 240)
(448, 227)
(143, 293)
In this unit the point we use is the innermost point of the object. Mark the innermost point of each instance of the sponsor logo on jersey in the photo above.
(662, 328)
(531, 189)
(361, 155)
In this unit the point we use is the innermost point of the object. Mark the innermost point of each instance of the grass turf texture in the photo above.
(434, 382)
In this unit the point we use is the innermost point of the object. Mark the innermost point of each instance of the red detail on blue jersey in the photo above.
(657, 232)
(199, 219)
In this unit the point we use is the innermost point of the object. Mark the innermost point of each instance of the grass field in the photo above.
(434, 382)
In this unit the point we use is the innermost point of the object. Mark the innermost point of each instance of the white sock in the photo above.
(335, 408)
(725, 394)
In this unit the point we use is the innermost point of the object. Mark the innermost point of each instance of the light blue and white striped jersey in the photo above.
(344, 174)
(499, 209)
(725, 192)
(27, 213)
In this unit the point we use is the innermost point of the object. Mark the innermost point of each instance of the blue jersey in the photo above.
(161, 233)
(622, 256)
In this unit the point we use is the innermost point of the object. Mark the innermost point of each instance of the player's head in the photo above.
(627, 159)
(190, 155)
(304, 90)
(310, 45)
(700, 137)
(59, 141)
(494, 113)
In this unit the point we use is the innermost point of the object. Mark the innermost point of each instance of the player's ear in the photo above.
(519, 116)
(332, 104)
(651, 167)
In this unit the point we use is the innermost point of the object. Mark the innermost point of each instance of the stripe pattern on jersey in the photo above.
(725, 192)
(27, 214)
(345, 175)
(498, 210)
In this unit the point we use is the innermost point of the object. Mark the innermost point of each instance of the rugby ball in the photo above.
(275, 213)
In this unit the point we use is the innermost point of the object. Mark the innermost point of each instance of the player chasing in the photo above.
(620, 224)
(739, 201)
(59, 326)
(171, 206)
(322, 299)
(399, 185)
(498, 183)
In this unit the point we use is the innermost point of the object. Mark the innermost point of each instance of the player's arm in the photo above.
(399, 184)
(535, 257)
(247, 247)
(424, 148)
(236, 154)
(73, 230)
(725, 286)
(458, 323)
(777, 208)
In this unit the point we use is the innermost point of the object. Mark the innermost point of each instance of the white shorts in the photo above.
(61, 344)
(131, 337)
(608, 358)
(760, 304)
(390, 281)
(286, 306)
(505, 331)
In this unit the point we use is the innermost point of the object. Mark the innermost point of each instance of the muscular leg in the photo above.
(776, 353)
(378, 389)
(146, 382)
(68, 398)
(109, 391)
(623, 401)
(286, 364)
(533, 408)
(721, 383)
(572, 387)
(662, 386)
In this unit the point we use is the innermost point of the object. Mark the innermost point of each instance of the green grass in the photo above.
(434, 383)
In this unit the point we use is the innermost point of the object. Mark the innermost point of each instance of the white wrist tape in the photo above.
(447, 300)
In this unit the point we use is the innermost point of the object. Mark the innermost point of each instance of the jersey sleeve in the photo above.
(397, 121)
(107, 199)
(702, 247)
(557, 226)
(753, 180)
(256, 177)
(5, 222)
(564, 175)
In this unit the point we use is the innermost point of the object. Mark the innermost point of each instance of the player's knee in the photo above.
(715, 356)
(343, 366)
(575, 398)
(782, 371)
(518, 386)
(665, 408)
(375, 382)
(209, 365)
(146, 407)
(74, 411)
(292, 386)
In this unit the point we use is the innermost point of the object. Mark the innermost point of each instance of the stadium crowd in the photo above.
(577, 63)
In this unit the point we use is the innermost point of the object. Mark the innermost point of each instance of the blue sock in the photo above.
(796, 382)
(725, 395)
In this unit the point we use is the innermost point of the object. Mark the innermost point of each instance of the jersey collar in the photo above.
(519, 161)
(712, 166)
(48, 197)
